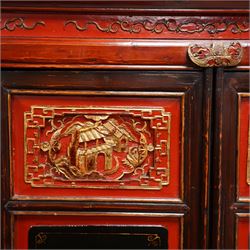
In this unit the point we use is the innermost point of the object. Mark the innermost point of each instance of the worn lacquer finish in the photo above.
(106, 120)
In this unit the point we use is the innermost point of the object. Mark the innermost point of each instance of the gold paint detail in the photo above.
(40, 239)
(97, 147)
(154, 241)
(248, 154)
(216, 54)
(12, 24)
(189, 26)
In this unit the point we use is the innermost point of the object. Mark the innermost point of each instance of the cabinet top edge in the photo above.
(145, 6)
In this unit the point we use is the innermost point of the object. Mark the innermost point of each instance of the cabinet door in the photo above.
(126, 148)
(231, 165)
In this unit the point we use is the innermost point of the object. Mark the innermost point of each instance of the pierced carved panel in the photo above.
(93, 147)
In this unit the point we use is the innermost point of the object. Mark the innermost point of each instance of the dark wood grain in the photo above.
(96, 206)
(207, 152)
(101, 80)
(5, 169)
(137, 5)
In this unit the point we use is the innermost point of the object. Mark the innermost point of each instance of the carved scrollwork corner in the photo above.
(40, 239)
(216, 54)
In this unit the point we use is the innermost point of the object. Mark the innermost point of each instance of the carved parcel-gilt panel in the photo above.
(97, 147)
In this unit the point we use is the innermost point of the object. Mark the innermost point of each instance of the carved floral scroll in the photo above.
(189, 26)
(12, 24)
(118, 147)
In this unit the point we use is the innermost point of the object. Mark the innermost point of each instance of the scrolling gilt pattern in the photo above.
(216, 54)
(93, 147)
(188, 26)
(14, 23)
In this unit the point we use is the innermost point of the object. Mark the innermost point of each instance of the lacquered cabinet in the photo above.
(125, 125)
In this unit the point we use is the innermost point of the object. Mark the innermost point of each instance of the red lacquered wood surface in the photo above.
(243, 231)
(101, 53)
(113, 26)
(22, 223)
(243, 144)
(90, 34)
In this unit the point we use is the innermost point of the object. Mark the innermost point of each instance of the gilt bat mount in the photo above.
(217, 54)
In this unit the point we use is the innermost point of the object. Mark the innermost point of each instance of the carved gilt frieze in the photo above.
(159, 26)
(12, 24)
(114, 147)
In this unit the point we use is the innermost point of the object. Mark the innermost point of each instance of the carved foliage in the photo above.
(97, 147)
(172, 25)
(13, 23)
(216, 54)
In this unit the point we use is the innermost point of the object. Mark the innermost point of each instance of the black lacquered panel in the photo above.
(97, 237)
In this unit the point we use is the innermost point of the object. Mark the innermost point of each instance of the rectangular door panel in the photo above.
(242, 231)
(97, 237)
(97, 146)
(39, 230)
(243, 147)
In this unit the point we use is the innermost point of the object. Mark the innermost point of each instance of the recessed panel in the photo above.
(242, 231)
(97, 146)
(97, 237)
(97, 230)
(244, 147)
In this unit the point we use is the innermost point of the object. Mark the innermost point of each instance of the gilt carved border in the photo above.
(157, 25)
(188, 26)
(11, 24)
